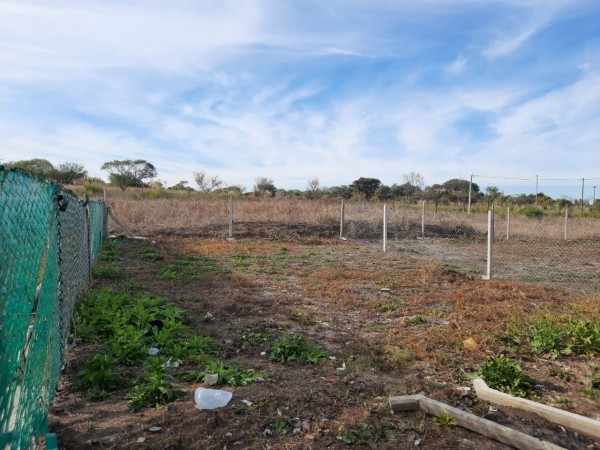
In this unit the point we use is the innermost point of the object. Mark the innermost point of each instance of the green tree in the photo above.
(36, 166)
(458, 190)
(129, 173)
(181, 186)
(68, 173)
(366, 186)
(491, 194)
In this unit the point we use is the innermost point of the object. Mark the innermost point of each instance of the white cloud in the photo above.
(457, 66)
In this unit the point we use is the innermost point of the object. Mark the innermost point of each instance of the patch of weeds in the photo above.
(240, 260)
(156, 387)
(556, 336)
(281, 425)
(370, 433)
(99, 376)
(179, 270)
(595, 378)
(389, 283)
(388, 306)
(150, 254)
(301, 317)
(107, 272)
(254, 338)
(401, 356)
(109, 252)
(128, 345)
(295, 347)
(133, 285)
(444, 419)
(229, 374)
(506, 375)
(415, 320)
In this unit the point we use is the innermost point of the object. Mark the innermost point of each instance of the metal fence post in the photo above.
(490, 245)
(342, 213)
(86, 200)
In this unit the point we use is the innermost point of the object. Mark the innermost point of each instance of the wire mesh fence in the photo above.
(47, 241)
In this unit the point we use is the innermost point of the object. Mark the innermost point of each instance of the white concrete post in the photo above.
(230, 211)
(342, 214)
(423, 220)
(566, 223)
(490, 245)
(508, 223)
(384, 228)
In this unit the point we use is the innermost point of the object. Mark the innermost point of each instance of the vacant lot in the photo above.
(410, 337)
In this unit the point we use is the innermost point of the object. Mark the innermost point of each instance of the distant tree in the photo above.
(207, 183)
(313, 189)
(264, 186)
(414, 179)
(366, 186)
(181, 186)
(129, 173)
(384, 192)
(342, 191)
(68, 173)
(408, 192)
(491, 194)
(37, 166)
(458, 190)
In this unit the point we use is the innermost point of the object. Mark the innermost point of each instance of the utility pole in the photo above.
(582, 189)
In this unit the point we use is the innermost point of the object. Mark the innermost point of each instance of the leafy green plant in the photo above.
(584, 337)
(387, 306)
(107, 272)
(295, 347)
(416, 320)
(156, 388)
(444, 419)
(546, 336)
(99, 376)
(369, 433)
(229, 374)
(506, 375)
(150, 254)
(109, 252)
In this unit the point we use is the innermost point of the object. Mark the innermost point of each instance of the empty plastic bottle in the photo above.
(211, 398)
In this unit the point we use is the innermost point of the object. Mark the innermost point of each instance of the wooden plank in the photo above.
(472, 422)
(121, 224)
(567, 419)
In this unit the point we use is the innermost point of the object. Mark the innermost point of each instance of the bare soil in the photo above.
(331, 290)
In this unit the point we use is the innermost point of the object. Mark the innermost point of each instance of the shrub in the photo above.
(98, 377)
(532, 212)
(156, 388)
(506, 375)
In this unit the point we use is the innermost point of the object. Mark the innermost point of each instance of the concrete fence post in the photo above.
(384, 228)
(423, 220)
(490, 246)
(508, 223)
(566, 224)
(230, 214)
(342, 214)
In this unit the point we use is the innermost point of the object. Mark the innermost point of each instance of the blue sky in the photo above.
(294, 90)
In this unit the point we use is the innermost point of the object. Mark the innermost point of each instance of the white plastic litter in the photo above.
(211, 398)
(152, 351)
(211, 378)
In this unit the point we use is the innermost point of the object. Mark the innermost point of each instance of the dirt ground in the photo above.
(331, 290)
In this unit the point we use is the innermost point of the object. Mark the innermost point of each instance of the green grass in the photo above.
(150, 254)
(99, 377)
(192, 268)
(107, 272)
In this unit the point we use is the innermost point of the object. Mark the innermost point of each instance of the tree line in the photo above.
(142, 174)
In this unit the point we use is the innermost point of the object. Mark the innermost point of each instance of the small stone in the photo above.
(141, 440)
(417, 442)
(247, 402)
(268, 432)
(154, 429)
(471, 345)
(228, 434)
(259, 380)
(296, 431)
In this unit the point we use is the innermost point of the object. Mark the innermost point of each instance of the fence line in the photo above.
(48, 239)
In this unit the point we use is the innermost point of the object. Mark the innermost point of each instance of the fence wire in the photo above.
(46, 240)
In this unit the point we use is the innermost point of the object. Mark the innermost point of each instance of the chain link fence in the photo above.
(48, 239)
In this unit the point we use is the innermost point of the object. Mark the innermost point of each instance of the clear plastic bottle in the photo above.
(211, 398)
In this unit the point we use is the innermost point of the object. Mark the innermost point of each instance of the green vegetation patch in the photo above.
(370, 433)
(506, 375)
(107, 272)
(150, 254)
(295, 347)
(192, 268)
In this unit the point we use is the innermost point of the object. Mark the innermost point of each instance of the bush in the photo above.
(532, 212)
(506, 375)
